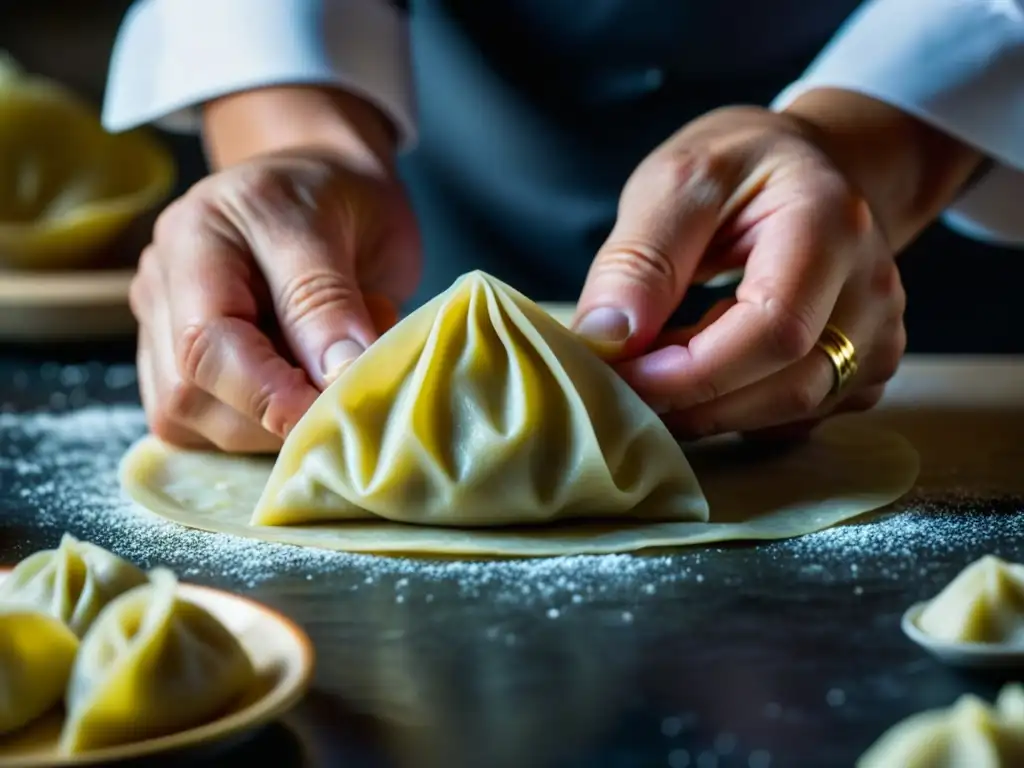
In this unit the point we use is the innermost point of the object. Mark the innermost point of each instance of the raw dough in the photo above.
(480, 410)
(983, 604)
(846, 469)
(970, 734)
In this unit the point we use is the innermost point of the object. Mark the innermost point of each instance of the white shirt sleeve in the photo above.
(170, 56)
(955, 64)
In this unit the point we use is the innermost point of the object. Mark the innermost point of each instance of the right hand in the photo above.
(262, 282)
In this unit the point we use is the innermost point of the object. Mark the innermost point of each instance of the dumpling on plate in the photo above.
(68, 188)
(72, 582)
(970, 734)
(36, 654)
(153, 664)
(983, 604)
(480, 409)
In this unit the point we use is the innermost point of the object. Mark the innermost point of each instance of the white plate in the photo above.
(967, 655)
(281, 652)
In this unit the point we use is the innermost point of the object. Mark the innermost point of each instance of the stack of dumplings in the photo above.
(127, 658)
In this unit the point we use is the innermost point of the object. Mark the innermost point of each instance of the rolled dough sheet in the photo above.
(846, 469)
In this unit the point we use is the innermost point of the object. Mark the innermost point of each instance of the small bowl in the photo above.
(69, 189)
(964, 655)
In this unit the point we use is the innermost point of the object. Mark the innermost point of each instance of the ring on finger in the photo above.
(841, 353)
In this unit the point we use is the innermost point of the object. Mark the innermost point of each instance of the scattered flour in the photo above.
(58, 471)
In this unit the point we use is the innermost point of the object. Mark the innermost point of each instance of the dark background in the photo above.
(960, 292)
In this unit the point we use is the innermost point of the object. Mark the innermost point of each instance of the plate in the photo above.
(65, 306)
(965, 655)
(281, 652)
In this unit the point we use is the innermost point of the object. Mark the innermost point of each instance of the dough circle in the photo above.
(846, 469)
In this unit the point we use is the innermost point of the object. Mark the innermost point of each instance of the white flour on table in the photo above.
(60, 471)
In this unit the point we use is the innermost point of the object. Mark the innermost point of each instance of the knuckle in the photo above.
(194, 347)
(802, 400)
(697, 173)
(182, 215)
(789, 329)
(889, 355)
(309, 294)
(638, 262)
(180, 401)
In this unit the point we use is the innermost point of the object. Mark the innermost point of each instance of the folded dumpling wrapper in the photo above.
(152, 664)
(969, 734)
(72, 583)
(983, 604)
(480, 409)
(68, 188)
(36, 654)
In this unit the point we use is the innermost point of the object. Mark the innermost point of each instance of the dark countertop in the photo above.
(784, 654)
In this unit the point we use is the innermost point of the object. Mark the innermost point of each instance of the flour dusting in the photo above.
(62, 471)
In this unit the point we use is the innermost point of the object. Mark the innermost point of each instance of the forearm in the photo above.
(908, 171)
(242, 125)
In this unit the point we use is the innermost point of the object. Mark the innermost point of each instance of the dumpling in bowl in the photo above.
(73, 582)
(970, 734)
(480, 409)
(36, 654)
(983, 604)
(153, 664)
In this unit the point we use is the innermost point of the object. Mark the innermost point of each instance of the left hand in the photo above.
(745, 187)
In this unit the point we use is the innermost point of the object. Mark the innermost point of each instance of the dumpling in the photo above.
(36, 654)
(983, 604)
(72, 582)
(479, 409)
(153, 664)
(970, 734)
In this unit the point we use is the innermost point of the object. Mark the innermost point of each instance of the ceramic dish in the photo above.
(283, 657)
(966, 655)
(65, 306)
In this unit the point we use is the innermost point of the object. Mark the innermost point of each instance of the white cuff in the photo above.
(172, 55)
(955, 64)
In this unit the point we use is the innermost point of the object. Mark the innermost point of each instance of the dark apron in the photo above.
(533, 113)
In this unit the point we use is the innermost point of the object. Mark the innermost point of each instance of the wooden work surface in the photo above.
(779, 654)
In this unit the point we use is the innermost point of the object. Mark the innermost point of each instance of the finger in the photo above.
(308, 257)
(217, 345)
(862, 400)
(160, 424)
(667, 215)
(793, 394)
(791, 284)
(195, 409)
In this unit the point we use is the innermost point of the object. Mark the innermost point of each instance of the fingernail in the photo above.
(339, 356)
(604, 325)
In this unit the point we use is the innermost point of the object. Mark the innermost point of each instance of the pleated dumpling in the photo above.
(73, 582)
(970, 734)
(36, 654)
(479, 409)
(983, 604)
(152, 664)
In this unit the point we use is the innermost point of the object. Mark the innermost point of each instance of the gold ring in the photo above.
(841, 353)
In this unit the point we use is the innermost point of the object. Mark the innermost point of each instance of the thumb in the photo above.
(668, 213)
(319, 304)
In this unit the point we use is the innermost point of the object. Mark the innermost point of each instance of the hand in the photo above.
(260, 284)
(744, 187)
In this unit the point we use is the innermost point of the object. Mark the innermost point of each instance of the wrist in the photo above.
(907, 170)
(257, 122)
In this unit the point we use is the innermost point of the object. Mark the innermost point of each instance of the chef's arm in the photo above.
(264, 75)
(912, 95)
